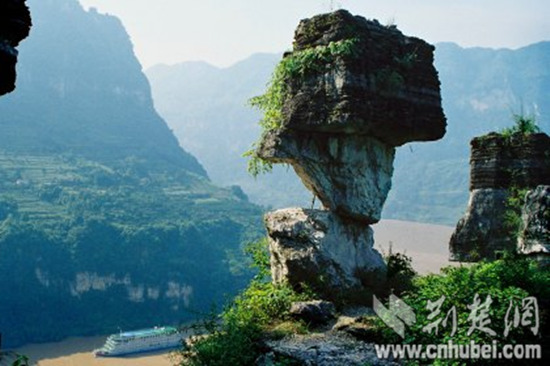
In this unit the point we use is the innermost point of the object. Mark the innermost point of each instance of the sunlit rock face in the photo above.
(535, 236)
(499, 166)
(350, 174)
(362, 90)
(15, 24)
(321, 249)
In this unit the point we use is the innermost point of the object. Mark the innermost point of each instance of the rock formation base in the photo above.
(323, 251)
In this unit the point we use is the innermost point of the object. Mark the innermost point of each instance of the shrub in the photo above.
(524, 125)
(400, 273)
(233, 338)
(512, 278)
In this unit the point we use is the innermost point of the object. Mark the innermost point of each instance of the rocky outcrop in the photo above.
(360, 90)
(535, 236)
(482, 232)
(315, 312)
(502, 166)
(387, 88)
(343, 119)
(322, 349)
(499, 162)
(350, 174)
(320, 249)
(15, 24)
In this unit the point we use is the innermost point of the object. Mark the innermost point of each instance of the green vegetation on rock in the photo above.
(293, 68)
(524, 125)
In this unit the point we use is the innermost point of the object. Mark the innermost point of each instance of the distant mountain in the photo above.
(207, 107)
(82, 91)
(105, 221)
(481, 88)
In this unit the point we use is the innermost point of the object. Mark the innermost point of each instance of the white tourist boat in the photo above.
(145, 340)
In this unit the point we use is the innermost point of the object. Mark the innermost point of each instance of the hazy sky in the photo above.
(225, 31)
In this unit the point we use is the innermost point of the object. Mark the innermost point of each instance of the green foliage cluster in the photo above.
(400, 272)
(13, 358)
(62, 217)
(524, 125)
(512, 278)
(293, 68)
(259, 309)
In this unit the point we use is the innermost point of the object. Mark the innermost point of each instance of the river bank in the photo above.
(78, 352)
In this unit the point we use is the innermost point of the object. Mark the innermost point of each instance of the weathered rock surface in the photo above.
(482, 232)
(323, 349)
(359, 323)
(535, 236)
(363, 90)
(343, 119)
(315, 312)
(520, 160)
(499, 164)
(15, 23)
(322, 250)
(350, 174)
(389, 89)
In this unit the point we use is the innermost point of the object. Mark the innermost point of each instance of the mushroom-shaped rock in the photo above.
(353, 91)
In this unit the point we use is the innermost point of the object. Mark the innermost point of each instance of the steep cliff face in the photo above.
(105, 221)
(89, 89)
(501, 165)
(352, 91)
(15, 24)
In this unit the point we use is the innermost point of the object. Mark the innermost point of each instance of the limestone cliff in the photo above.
(353, 90)
(499, 165)
(15, 24)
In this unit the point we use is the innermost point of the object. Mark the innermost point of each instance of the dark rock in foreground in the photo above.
(315, 312)
(387, 88)
(15, 24)
(499, 162)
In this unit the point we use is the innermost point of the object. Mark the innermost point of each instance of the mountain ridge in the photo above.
(105, 221)
(481, 88)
